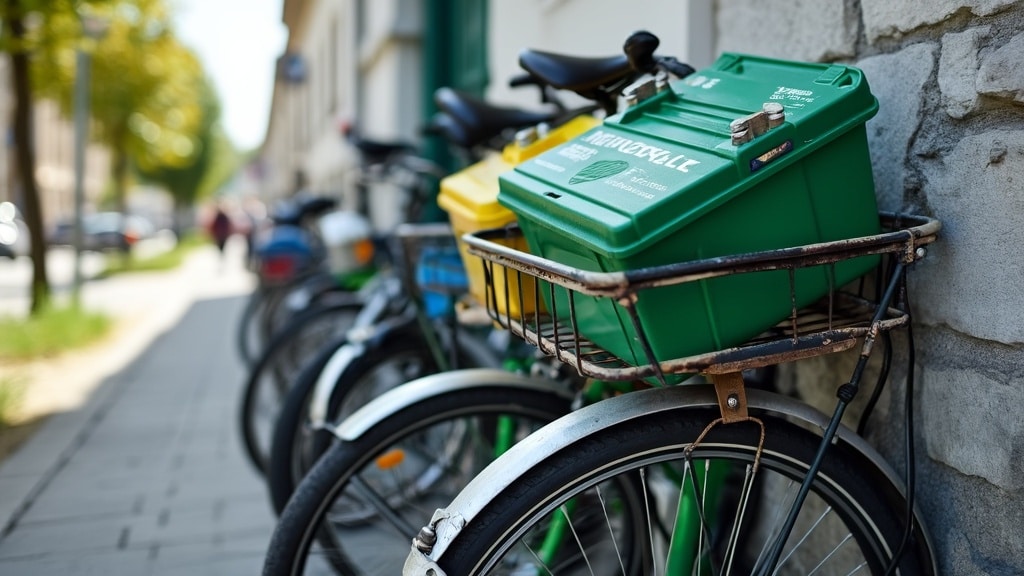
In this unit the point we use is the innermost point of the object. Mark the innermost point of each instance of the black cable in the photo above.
(909, 436)
(883, 378)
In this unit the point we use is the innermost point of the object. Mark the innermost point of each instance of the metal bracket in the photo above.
(419, 564)
(732, 396)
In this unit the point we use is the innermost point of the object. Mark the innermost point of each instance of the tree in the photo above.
(16, 43)
(213, 161)
(146, 89)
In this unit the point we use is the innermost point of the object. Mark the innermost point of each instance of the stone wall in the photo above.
(948, 141)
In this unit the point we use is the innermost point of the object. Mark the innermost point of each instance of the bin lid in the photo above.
(472, 193)
(670, 158)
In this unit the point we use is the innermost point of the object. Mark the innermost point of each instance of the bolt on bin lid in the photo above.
(681, 152)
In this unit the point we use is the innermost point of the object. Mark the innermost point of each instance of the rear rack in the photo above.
(833, 324)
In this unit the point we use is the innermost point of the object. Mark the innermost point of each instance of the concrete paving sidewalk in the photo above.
(147, 477)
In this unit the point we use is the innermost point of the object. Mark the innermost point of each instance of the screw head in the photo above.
(732, 401)
(920, 252)
(425, 540)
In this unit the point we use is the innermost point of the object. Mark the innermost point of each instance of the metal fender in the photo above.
(359, 340)
(353, 427)
(535, 448)
(329, 375)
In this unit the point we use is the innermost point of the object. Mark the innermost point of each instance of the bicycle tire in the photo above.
(313, 289)
(432, 418)
(296, 446)
(273, 374)
(247, 338)
(850, 492)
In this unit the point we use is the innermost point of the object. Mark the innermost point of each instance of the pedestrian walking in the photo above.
(220, 228)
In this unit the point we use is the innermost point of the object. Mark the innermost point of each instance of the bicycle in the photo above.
(485, 407)
(536, 499)
(469, 124)
(615, 439)
(334, 314)
(287, 260)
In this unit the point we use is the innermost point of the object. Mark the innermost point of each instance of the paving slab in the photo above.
(146, 475)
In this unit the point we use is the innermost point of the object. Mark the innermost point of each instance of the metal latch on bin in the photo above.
(751, 126)
(644, 88)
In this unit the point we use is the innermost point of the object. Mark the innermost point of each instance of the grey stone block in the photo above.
(1001, 73)
(64, 537)
(976, 270)
(958, 70)
(894, 18)
(897, 80)
(815, 31)
(88, 563)
(971, 422)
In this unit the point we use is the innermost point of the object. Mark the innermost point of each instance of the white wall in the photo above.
(589, 28)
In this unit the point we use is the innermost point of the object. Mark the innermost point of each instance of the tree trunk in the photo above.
(25, 157)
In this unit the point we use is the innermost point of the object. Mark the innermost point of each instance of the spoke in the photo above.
(857, 569)
(650, 522)
(540, 563)
(392, 517)
(576, 536)
(679, 507)
(803, 539)
(698, 495)
(773, 527)
(608, 521)
(831, 554)
(703, 503)
(737, 524)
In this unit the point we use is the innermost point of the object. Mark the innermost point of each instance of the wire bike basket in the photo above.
(833, 324)
(431, 266)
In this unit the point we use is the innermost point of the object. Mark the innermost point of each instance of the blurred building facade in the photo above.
(948, 141)
(374, 66)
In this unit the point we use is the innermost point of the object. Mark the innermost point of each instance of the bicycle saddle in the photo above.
(292, 211)
(482, 121)
(575, 73)
(376, 151)
(442, 124)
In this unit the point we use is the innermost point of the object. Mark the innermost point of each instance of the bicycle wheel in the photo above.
(273, 374)
(401, 356)
(357, 509)
(247, 338)
(851, 522)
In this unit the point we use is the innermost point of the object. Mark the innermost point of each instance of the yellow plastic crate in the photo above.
(470, 197)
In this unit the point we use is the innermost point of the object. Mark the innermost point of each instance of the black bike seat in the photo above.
(574, 73)
(442, 124)
(293, 210)
(374, 151)
(483, 121)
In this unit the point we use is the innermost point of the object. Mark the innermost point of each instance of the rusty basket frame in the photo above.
(835, 323)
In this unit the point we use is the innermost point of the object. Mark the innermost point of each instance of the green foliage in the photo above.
(12, 390)
(214, 161)
(148, 93)
(50, 332)
(117, 264)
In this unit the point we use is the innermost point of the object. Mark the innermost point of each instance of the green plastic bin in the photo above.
(707, 166)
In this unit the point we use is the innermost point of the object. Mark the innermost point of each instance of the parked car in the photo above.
(104, 231)
(14, 238)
